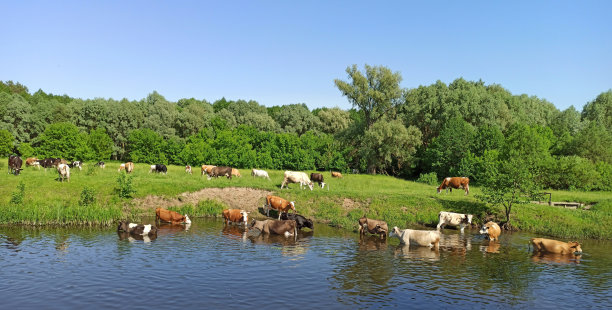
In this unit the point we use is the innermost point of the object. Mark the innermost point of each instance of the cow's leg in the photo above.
(462, 227)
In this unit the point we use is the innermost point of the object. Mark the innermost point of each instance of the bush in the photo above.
(88, 197)
(125, 188)
(428, 178)
(19, 194)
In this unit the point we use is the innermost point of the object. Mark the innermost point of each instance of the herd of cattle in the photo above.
(288, 224)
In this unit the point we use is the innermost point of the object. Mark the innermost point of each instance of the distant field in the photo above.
(399, 202)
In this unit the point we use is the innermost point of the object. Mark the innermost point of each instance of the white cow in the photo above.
(64, 172)
(297, 177)
(430, 238)
(454, 219)
(260, 173)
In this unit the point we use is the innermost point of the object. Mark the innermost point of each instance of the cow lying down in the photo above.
(430, 238)
(279, 227)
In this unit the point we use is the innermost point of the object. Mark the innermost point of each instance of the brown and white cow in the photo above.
(236, 216)
(375, 227)
(454, 219)
(137, 229)
(336, 174)
(455, 182)
(430, 238)
(555, 246)
(64, 172)
(279, 204)
(491, 230)
(279, 227)
(32, 161)
(164, 215)
(296, 177)
(188, 169)
(207, 169)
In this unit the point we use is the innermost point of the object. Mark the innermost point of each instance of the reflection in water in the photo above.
(555, 258)
(235, 232)
(489, 246)
(372, 243)
(417, 252)
(456, 244)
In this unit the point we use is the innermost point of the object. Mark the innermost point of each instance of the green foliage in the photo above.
(88, 197)
(125, 189)
(296, 118)
(100, 144)
(6, 143)
(146, 146)
(600, 110)
(26, 150)
(428, 178)
(63, 140)
(205, 207)
(334, 120)
(18, 195)
(390, 145)
(594, 143)
(446, 151)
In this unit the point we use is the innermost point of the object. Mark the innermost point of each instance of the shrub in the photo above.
(88, 197)
(125, 188)
(428, 178)
(19, 194)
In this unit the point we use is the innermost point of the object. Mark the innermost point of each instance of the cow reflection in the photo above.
(417, 252)
(548, 258)
(235, 232)
(457, 244)
(257, 237)
(165, 229)
(134, 237)
(489, 246)
(372, 243)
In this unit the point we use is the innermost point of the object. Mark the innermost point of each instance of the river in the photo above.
(214, 266)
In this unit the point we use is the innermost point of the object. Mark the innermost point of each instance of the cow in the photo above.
(300, 220)
(164, 215)
(159, 168)
(236, 172)
(121, 167)
(47, 163)
(279, 227)
(129, 167)
(207, 169)
(32, 161)
(14, 164)
(137, 229)
(100, 164)
(221, 171)
(78, 164)
(455, 182)
(430, 238)
(491, 230)
(64, 172)
(260, 173)
(188, 169)
(236, 216)
(336, 174)
(296, 177)
(454, 219)
(317, 177)
(279, 204)
(375, 227)
(554, 246)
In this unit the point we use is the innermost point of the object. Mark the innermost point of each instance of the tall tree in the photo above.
(600, 110)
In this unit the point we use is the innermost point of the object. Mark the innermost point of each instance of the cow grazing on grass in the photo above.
(207, 169)
(279, 227)
(159, 168)
(121, 167)
(455, 182)
(47, 162)
(278, 204)
(236, 173)
(375, 227)
(430, 238)
(236, 216)
(491, 230)
(188, 169)
(128, 167)
(300, 220)
(77, 164)
(164, 215)
(555, 246)
(336, 174)
(14, 164)
(454, 219)
(100, 164)
(64, 172)
(221, 171)
(32, 161)
(137, 229)
(296, 177)
(317, 177)
(260, 173)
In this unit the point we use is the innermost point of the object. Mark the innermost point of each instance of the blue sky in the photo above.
(284, 52)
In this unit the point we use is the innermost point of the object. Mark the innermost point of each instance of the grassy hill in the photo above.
(401, 203)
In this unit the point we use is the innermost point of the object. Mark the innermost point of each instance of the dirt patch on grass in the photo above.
(248, 199)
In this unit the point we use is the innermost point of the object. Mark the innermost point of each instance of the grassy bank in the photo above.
(399, 202)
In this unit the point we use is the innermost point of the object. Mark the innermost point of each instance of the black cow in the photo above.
(300, 220)
(221, 171)
(14, 164)
(100, 164)
(161, 168)
(317, 177)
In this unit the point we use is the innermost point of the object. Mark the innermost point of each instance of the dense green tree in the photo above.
(390, 145)
(147, 146)
(334, 120)
(100, 144)
(26, 150)
(296, 118)
(447, 150)
(63, 140)
(593, 142)
(6, 143)
(600, 110)
(15, 116)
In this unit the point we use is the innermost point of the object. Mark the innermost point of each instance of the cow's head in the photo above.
(439, 189)
(187, 220)
(308, 223)
(245, 216)
(123, 226)
(484, 230)
(310, 185)
(467, 218)
(17, 171)
(322, 184)
(576, 247)
(395, 232)
(292, 203)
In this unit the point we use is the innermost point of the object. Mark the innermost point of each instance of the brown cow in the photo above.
(14, 164)
(32, 161)
(491, 230)
(221, 171)
(188, 169)
(279, 227)
(170, 216)
(336, 174)
(129, 167)
(235, 216)
(278, 204)
(235, 172)
(375, 227)
(455, 182)
(554, 246)
(206, 169)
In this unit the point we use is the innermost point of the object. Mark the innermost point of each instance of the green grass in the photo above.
(399, 202)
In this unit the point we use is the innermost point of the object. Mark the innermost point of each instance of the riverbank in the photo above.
(46, 201)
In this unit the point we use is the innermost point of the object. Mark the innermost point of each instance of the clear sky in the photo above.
(284, 52)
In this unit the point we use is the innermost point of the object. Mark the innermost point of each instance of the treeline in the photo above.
(455, 129)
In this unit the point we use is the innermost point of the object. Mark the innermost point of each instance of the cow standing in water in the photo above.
(455, 182)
